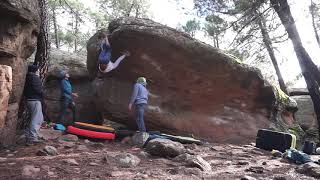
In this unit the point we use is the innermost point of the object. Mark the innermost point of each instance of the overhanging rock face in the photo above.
(196, 89)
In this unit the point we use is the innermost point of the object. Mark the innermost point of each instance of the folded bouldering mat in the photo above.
(181, 139)
(93, 127)
(122, 133)
(90, 134)
(269, 140)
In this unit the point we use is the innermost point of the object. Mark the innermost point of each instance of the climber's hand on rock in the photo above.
(130, 107)
(126, 53)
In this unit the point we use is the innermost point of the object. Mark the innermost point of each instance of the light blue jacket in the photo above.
(139, 95)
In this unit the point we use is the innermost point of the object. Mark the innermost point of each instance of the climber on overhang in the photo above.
(104, 60)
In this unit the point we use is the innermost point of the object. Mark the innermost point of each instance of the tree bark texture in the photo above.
(268, 44)
(307, 66)
(313, 22)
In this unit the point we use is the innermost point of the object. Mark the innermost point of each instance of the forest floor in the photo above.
(84, 159)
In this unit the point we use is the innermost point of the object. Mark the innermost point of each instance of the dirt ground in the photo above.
(227, 162)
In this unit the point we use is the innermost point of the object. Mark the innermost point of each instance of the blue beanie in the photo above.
(62, 73)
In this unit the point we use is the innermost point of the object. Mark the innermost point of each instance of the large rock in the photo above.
(50, 134)
(48, 151)
(75, 64)
(305, 115)
(196, 89)
(194, 161)
(5, 89)
(19, 21)
(310, 169)
(164, 148)
(139, 139)
(128, 160)
(30, 171)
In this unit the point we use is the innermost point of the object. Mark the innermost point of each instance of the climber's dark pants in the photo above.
(139, 116)
(66, 103)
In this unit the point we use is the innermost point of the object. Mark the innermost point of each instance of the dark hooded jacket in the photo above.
(33, 87)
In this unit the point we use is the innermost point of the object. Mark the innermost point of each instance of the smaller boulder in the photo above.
(82, 148)
(49, 134)
(144, 154)
(309, 169)
(29, 171)
(255, 169)
(68, 138)
(52, 151)
(279, 177)
(67, 144)
(108, 158)
(194, 161)
(128, 160)
(199, 162)
(242, 163)
(139, 139)
(93, 164)
(2, 159)
(183, 158)
(127, 140)
(164, 148)
(71, 162)
(48, 151)
(246, 177)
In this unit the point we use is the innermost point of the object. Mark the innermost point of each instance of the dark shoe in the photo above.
(33, 142)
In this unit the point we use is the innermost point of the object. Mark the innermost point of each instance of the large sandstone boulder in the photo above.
(5, 89)
(19, 20)
(75, 64)
(196, 89)
(305, 115)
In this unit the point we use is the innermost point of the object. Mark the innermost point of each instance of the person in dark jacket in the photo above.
(139, 99)
(66, 98)
(33, 93)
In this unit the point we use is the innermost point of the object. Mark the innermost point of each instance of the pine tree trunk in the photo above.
(217, 40)
(130, 9)
(268, 44)
(43, 45)
(41, 59)
(313, 23)
(76, 31)
(283, 10)
(55, 26)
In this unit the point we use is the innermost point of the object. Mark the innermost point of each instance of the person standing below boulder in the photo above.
(104, 60)
(139, 98)
(66, 100)
(33, 93)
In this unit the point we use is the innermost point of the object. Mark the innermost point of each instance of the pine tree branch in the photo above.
(249, 22)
